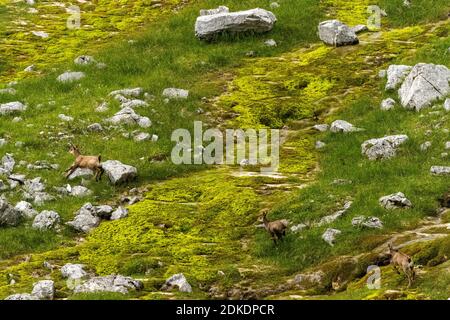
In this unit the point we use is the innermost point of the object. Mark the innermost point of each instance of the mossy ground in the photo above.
(200, 222)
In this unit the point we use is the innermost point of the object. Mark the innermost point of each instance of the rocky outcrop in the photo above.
(207, 27)
(395, 75)
(46, 220)
(128, 116)
(367, 222)
(382, 148)
(336, 33)
(425, 84)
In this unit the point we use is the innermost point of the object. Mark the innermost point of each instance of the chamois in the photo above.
(276, 229)
(89, 162)
(402, 260)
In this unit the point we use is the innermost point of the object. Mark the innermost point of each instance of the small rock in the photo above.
(321, 127)
(395, 75)
(360, 28)
(270, 43)
(382, 148)
(119, 213)
(80, 192)
(10, 91)
(440, 170)
(179, 281)
(343, 126)
(30, 68)
(40, 34)
(320, 145)
(73, 271)
(44, 290)
(174, 93)
(46, 220)
(81, 172)
(95, 127)
(65, 118)
(70, 76)
(142, 136)
(367, 222)
(447, 105)
(298, 227)
(84, 60)
(134, 92)
(21, 296)
(329, 236)
(395, 201)
(102, 107)
(387, 104)
(9, 216)
(26, 209)
(12, 107)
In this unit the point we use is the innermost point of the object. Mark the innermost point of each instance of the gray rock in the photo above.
(3, 142)
(111, 283)
(65, 118)
(95, 127)
(298, 227)
(130, 117)
(8, 163)
(38, 198)
(256, 20)
(135, 103)
(395, 75)
(40, 34)
(320, 145)
(142, 136)
(81, 172)
(425, 146)
(21, 296)
(329, 236)
(46, 220)
(70, 76)
(44, 290)
(10, 91)
(174, 93)
(425, 84)
(73, 271)
(103, 211)
(177, 281)
(26, 209)
(440, 170)
(360, 28)
(447, 145)
(336, 33)
(447, 105)
(84, 221)
(119, 213)
(367, 222)
(343, 126)
(274, 5)
(30, 68)
(395, 201)
(102, 107)
(270, 43)
(382, 148)
(12, 107)
(321, 127)
(119, 172)
(387, 104)
(133, 92)
(84, 60)
(9, 216)
(34, 185)
(80, 191)
(333, 217)
(208, 12)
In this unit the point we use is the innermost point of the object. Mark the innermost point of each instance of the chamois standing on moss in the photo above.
(85, 162)
(403, 261)
(276, 229)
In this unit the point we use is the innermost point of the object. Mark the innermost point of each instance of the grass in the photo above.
(166, 54)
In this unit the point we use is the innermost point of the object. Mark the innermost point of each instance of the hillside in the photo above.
(202, 220)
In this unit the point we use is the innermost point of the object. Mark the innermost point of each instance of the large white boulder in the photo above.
(425, 84)
(119, 172)
(70, 76)
(336, 33)
(254, 20)
(111, 283)
(46, 220)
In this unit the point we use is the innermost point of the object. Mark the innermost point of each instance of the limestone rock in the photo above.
(336, 33)
(382, 148)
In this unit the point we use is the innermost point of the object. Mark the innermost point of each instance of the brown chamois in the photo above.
(88, 162)
(403, 261)
(276, 229)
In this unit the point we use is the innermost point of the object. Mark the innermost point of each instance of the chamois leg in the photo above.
(395, 268)
(70, 170)
(101, 173)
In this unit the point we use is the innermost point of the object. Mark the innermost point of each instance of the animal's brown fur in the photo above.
(276, 229)
(404, 262)
(89, 162)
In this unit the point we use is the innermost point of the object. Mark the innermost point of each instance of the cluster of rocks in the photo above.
(116, 171)
(89, 217)
(420, 85)
(42, 290)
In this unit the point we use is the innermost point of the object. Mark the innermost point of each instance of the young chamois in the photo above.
(276, 229)
(403, 261)
(85, 162)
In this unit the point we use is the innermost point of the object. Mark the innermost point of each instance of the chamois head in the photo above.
(73, 149)
(391, 248)
(263, 214)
